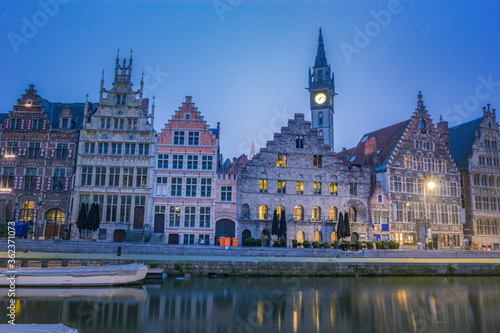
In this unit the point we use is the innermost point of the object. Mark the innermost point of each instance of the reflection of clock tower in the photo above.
(322, 91)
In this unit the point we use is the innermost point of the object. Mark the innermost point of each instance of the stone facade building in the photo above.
(298, 175)
(115, 161)
(475, 149)
(407, 159)
(187, 166)
(37, 150)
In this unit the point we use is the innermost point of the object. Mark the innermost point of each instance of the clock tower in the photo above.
(322, 92)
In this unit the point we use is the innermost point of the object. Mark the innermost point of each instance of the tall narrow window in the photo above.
(194, 138)
(176, 187)
(191, 187)
(174, 219)
(114, 177)
(317, 161)
(34, 150)
(299, 187)
(281, 160)
(125, 208)
(299, 141)
(178, 138)
(263, 185)
(206, 188)
(31, 176)
(128, 177)
(320, 118)
(262, 212)
(100, 176)
(204, 217)
(316, 214)
(112, 208)
(317, 188)
(161, 186)
(334, 188)
(281, 186)
(226, 193)
(62, 150)
(189, 217)
(141, 177)
(86, 175)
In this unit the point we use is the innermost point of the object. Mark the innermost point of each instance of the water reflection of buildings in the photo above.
(280, 305)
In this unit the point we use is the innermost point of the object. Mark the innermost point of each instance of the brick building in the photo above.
(115, 160)
(408, 158)
(37, 150)
(474, 147)
(186, 172)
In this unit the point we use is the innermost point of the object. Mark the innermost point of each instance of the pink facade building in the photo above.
(185, 178)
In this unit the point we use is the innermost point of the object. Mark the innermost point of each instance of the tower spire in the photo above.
(320, 55)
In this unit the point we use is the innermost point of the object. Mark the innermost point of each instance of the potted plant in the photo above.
(336, 244)
(369, 245)
(74, 263)
(54, 263)
(250, 241)
(347, 245)
(276, 243)
(295, 243)
(30, 234)
(258, 241)
(34, 263)
(359, 244)
(378, 245)
(283, 242)
(306, 244)
(315, 244)
(326, 245)
(94, 263)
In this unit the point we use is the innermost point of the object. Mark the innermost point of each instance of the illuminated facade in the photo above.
(185, 179)
(412, 163)
(37, 152)
(115, 160)
(474, 147)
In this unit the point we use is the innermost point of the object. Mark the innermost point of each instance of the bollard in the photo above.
(119, 251)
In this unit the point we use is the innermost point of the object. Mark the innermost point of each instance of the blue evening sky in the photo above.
(246, 62)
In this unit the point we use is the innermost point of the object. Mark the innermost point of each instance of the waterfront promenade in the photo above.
(239, 261)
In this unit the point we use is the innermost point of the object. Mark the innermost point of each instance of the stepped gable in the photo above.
(232, 169)
(282, 142)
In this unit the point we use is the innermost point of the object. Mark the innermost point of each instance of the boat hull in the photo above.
(69, 280)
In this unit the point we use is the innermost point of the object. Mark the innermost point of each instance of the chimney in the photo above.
(442, 128)
(370, 146)
(344, 149)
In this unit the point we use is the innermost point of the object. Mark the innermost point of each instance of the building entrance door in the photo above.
(159, 223)
(139, 217)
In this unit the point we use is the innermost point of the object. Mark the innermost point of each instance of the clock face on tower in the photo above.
(320, 98)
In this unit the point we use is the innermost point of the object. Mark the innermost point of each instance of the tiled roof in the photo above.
(55, 109)
(233, 167)
(461, 139)
(381, 144)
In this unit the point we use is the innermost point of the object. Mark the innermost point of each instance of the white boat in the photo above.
(36, 328)
(75, 276)
(132, 293)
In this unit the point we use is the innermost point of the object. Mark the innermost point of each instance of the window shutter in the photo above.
(29, 124)
(16, 183)
(48, 184)
(38, 185)
(23, 121)
(52, 153)
(20, 183)
(70, 153)
(66, 184)
(2, 151)
(35, 214)
(25, 151)
(42, 152)
(17, 214)
(44, 125)
(7, 124)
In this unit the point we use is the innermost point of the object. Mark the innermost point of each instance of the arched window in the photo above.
(320, 118)
(333, 237)
(333, 214)
(263, 212)
(484, 181)
(245, 211)
(498, 181)
(299, 141)
(55, 215)
(491, 181)
(318, 237)
(320, 75)
(316, 214)
(298, 213)
(476, 179)
(301, 236)
(352, 214)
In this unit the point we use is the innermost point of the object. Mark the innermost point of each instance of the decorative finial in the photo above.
(102, 77)
(420, 96)
(87, 100)
(131, 51)
(118, 53)
(154, 97)
(488, 107)
(142, 78)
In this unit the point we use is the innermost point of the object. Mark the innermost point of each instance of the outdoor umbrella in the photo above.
(347, 226)
(341, 226)
(275, 227)
(94, 215)
(282, 228)
(82, 217)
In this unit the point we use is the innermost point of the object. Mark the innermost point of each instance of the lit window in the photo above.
(281, 160)
(263, 212)
(281, 186)
(263, 185)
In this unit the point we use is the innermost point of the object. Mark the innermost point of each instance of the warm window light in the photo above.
(431, 185)
(27, 104)
(9, 156)
(5, 190)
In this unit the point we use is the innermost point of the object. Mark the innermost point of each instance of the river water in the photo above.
(227, 305)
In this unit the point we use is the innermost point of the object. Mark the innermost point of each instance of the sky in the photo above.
(246, 62)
